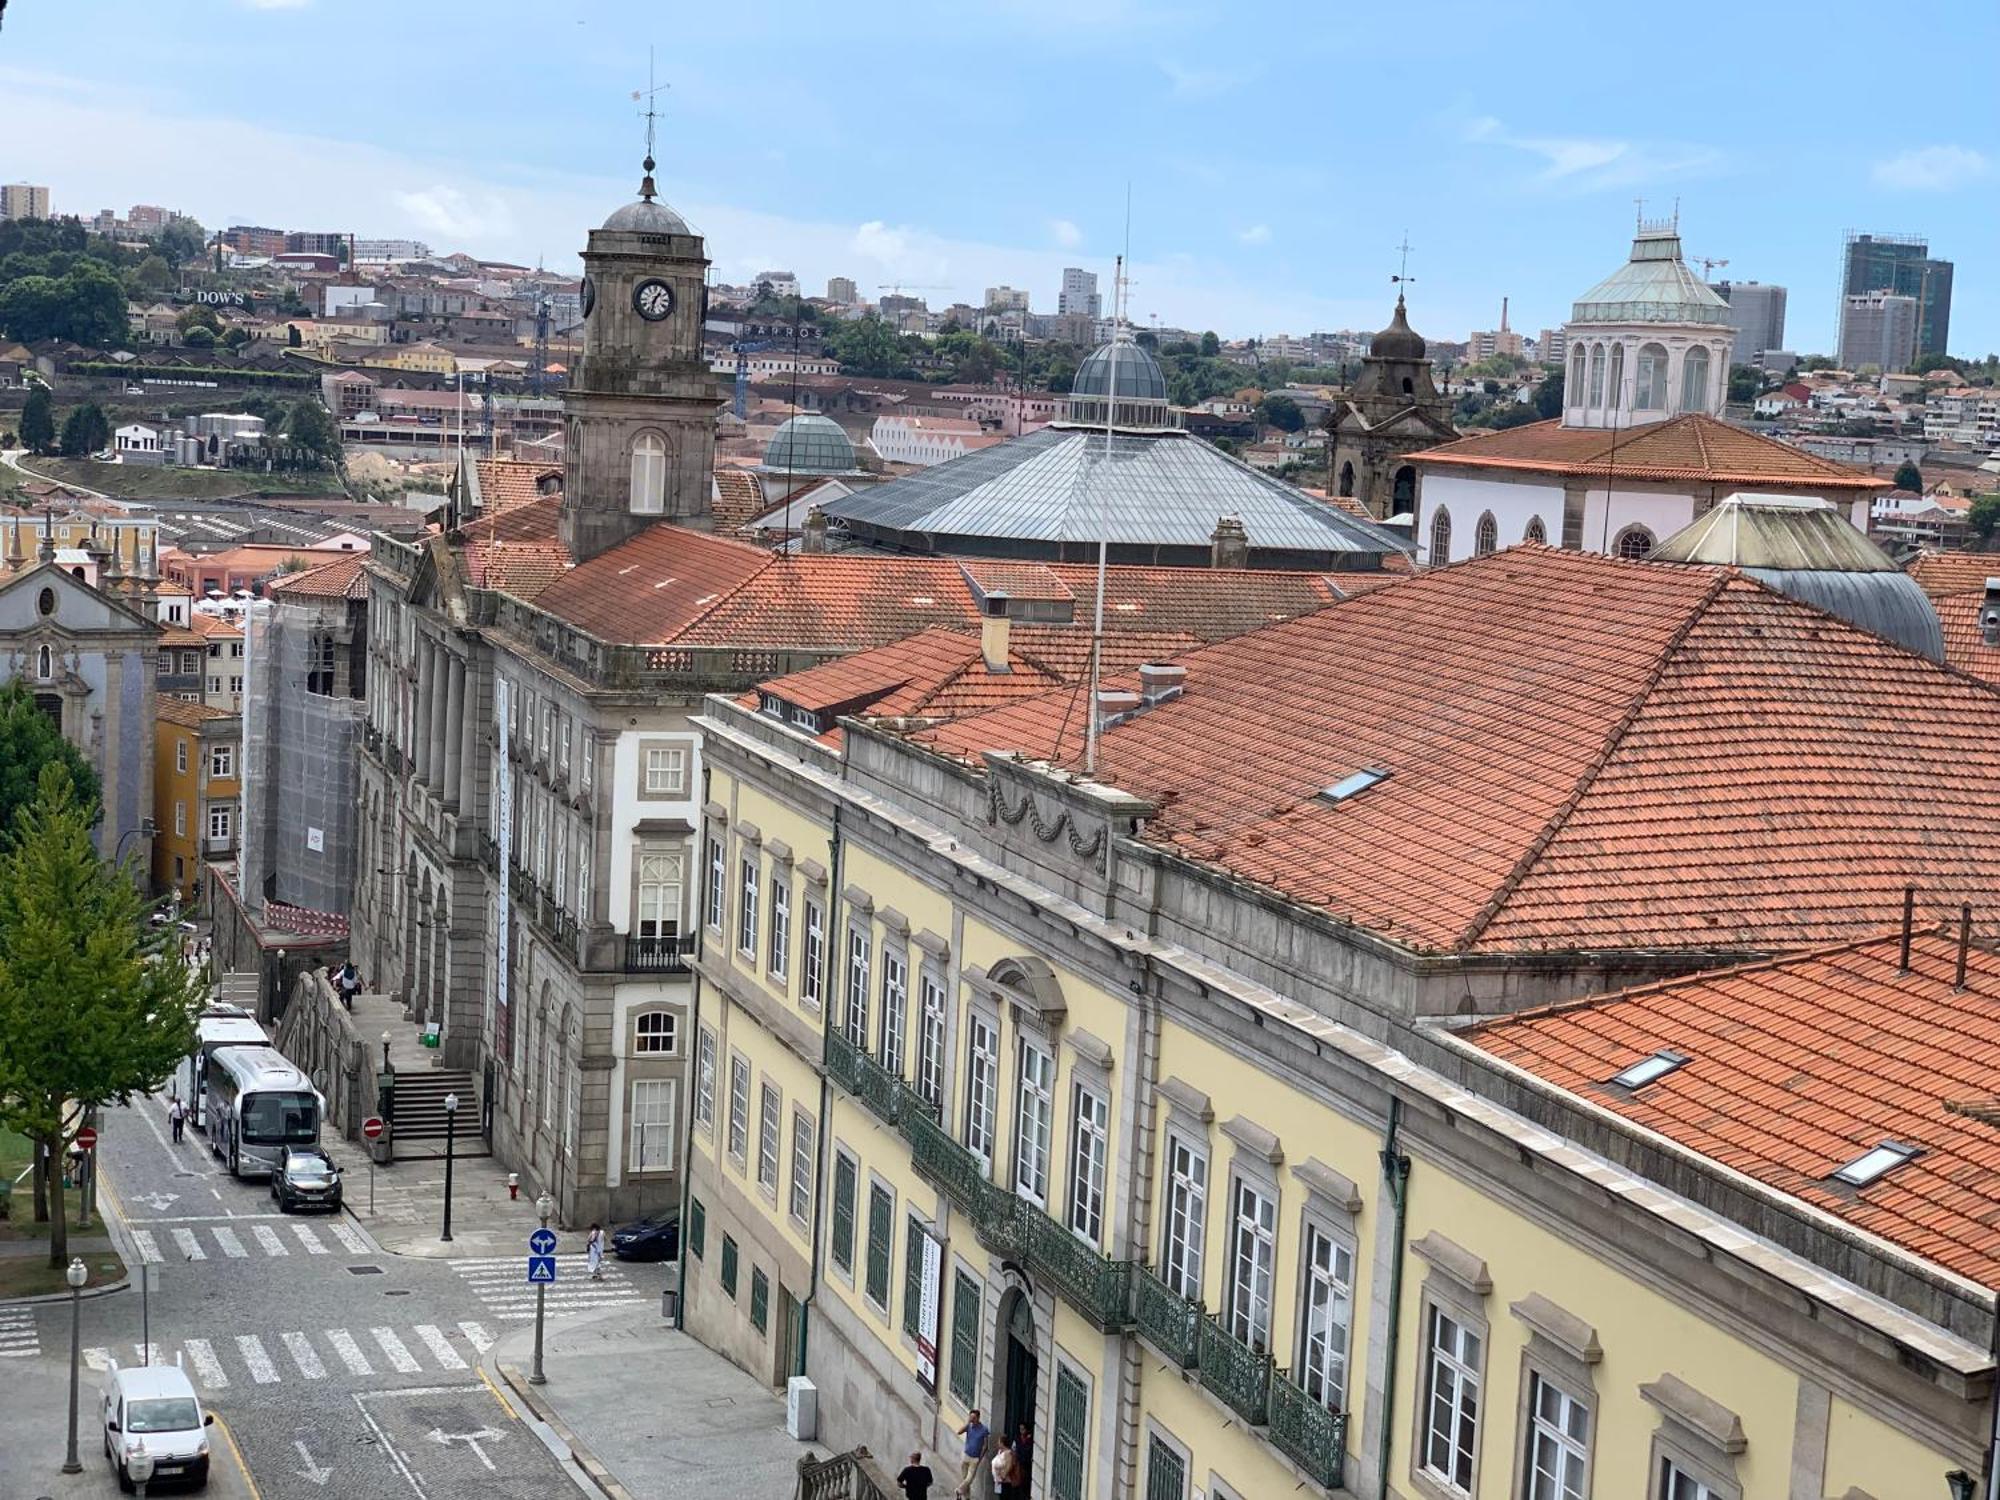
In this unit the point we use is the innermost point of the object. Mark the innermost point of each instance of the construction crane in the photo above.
(741, 405)
(1708, 265)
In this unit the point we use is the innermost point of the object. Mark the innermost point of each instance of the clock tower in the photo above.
(641, 403)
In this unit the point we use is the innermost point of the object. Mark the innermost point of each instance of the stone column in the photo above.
(453, 726)
(470, 748)
(440, 698)
(420, 716)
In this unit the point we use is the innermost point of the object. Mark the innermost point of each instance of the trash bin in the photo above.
(670, 1307)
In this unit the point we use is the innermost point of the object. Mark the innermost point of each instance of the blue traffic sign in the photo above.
(541, 1270)
(542, 1242)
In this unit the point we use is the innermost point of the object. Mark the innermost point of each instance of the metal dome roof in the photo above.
(1399, 340)
(810, 444)
(1139, 375)
(1654, 286)
(647, 217)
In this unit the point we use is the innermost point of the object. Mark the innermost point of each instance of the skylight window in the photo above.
(1871, 1165)
(1355, 785)
(1651, 1069)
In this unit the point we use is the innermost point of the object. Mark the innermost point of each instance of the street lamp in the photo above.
(450, 1135)
(1963, 1485)
(386, 1039)
(545, 1206)
(76, 1276)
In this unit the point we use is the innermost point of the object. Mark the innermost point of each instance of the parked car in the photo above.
(153, 1410)
(308, 1179)
(648, 1239)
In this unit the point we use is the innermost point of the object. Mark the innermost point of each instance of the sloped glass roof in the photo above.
(1139, 375)
(810, 444)
(1654, 286)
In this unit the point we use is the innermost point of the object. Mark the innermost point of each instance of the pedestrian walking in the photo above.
(593, 1252)
(975, 1434)
(915, 1480)
(347, 983)
(1005, 1469)
(1024, 1458)
(177, 1116)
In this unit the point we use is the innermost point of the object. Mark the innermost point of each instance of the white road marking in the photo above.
(477, 1334)
(11, 1353)
(231, 1245)
(207, 1368)
(304, 1356)
(252, 1349)
(268, 1238)
(349, 1351)
(440, 1347)
(388, 1447)
(350, 1237)
(97, 1359)
(399, 1354)
(149, 1248)
(190, 1247)
(157, 1356)
(310, 1240)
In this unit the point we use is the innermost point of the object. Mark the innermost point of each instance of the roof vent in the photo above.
(1115, 707)
(1349, 787)
(1159, 683)
(1989, 615)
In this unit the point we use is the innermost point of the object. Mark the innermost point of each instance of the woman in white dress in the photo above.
(593, 1252)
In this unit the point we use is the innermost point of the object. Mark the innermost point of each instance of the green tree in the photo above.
(85, 431)
(236, 337)
(199, 337)
(1909, 477)
(93, 306)
(311, 426)
(38, 421)
(30, 740)
(1983, 516)
(1817, 362)
(1745, 383)
(151, 277)
(92, 1009)
(200, 315)
(182, 241)
(1282, 412)
(1211, 346)
(292, 339)
(1549, 396)
(867, 346)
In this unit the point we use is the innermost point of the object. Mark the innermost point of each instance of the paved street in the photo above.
(339, 1368)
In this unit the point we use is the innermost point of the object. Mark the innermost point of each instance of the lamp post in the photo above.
(75, 1275)
(450, 1134)
(1963, 1486)
(385, 1051)
(545, 1206)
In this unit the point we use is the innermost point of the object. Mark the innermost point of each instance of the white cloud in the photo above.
(1586, 163)
(1256, 234)
(1200, 83)
(1931, 169)
(446, 212)
(1065, 233)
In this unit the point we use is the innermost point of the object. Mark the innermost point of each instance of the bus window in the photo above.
(280, 1119)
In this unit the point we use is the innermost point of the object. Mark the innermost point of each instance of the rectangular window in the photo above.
(704, 1081)
(844, 1176)
(1033, 1120)
(982, 1088)
(739, 1109)
(1677, 1484)
(697, 1228)
(666, 771)
(656, 1033)
(769, 1114)
(729, 1266)
(746, 911)
(1253, 1252)
(930, 1042)
(964, 1337)
(760, 1299)
(1329, 1314)
(1089, 1148)
(805, 1165)
(180, 819)
(913, 1275)
(235, 684)
(881, 1232)
(222, 760)
(1187, 1217)
(780, 943)
(220, 820)
(659, 895)
(1558, 1443)
(1451, 1401)
(895, 1009)
(857, 987)
(181, 756)
(1072, 1435)
(712, 892)
(653, 1125)
(1166, 1470)
(812, 965)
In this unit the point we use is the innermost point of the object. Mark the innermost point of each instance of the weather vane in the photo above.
(649, 95)
(1403, 269)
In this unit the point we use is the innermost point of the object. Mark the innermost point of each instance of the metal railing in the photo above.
(844, 1476)
(854, 1070)
(1307, 1433)
(668, 954)
(1164, 1317)
(1233, 1370)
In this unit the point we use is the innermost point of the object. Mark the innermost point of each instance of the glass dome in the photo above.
(1139, 375)
(810, 444)
(1654, 286)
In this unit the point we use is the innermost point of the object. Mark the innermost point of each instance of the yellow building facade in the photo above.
(966, 1134)
(197, 765)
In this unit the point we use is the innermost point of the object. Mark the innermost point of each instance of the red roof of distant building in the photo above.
(343, 578)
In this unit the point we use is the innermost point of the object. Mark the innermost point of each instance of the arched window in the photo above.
(649, 474)
(1617, 376)
(1597, 375)
(1536, 531)
(1440, 537)
(1409, 386)
(1486, 536)
(1347, 478)
(1694, 380)
(1576, 376)
(1651, 394)
(1633, 542)
(1403, 492)
(45, 663)
(656, 1032)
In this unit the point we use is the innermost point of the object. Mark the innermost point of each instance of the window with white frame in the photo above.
(779, 944)
(805, 1165)
(746, 909)
(1677, 1483)
(712, 892)
(930, 1040)
(1329, 1314)
(666, 770)
(659, 895)
(1253, 1248)
(1450, 1432)
(180, 753)
(649, 474)
(704, 1081)
(658, 1032)
(559, 876)
(222, 760)
(895, 1008)
(1650, 393)
(1187, 1216)
(856, 1021)
(812, 958)
(1033, 1120)
(739, 1108)
(180, 819)
(1089, 1149)
(982, 1087)
(770, 1114)
(1558, 1458)
(220, 821)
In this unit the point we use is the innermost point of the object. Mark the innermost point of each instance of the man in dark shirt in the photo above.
(1024, 1452)
(915, 1480)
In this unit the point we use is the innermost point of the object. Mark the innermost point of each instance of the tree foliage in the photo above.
(38, 421)
(1549, 396)
(92, 1009)
(1746, 383)
(1909, 477)
(869, 346)
(182, 241)
(29, 740)
(86, 305)
(311, 426)
(1282, 412)
(1983, 516)
(85, 431)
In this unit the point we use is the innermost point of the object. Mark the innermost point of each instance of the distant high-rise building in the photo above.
(1902, 263)
(841, 289)
(1551, 346)
(1879, 329)
(316, 242)
(1486, 343)
(23, 200)
(253, 239)
(1757, 312)
(148, 218)
(391, 250)
(1079, 294)
(783, 283)
(1006, 299)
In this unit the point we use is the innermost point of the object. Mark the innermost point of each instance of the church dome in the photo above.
(810, 444)
(1654, 286)
(647, 217)
(1399, 340)
(1139, 374)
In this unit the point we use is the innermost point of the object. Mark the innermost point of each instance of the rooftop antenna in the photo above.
(1091, 730)
(649, 94)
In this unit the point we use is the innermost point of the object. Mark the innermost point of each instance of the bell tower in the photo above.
(640, 406)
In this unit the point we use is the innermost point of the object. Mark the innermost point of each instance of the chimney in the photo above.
(1159, 683)
(995, 628)
(812, 536)
(1503, 315)
(1229, 544)
(1115, 707)
(1989, 615)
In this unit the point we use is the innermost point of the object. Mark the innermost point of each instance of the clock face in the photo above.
(589, 295)
(653, 300)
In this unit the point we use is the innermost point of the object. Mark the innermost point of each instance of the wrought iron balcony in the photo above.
(1307, 1433)
(1166, 1319)
(1093, 1283)
(489, 853)
(1233, 1370)
(668, 954)
(935, 1154)
(854, 1070)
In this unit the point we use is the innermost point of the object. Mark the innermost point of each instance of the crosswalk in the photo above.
(248, 1359)
(19, 1337)
(224, 1241)
(501, 1284)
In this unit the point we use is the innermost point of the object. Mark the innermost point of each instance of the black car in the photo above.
(308, 1179)
(647, 1239)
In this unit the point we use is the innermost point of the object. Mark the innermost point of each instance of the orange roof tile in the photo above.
(1799, 1066)
(647, 590)
(215, 625)
(523, 569)
(343, 578)
(180, 635)
(739, 497)
(1584, 753)
(1939, 573)
(1690, 448)
(1018, 580)
(505, 483)
(186, 714)
(535, 521)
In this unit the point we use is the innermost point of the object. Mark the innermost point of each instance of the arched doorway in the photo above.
(1403, 494)
(1347, 478)
(1015, 1367)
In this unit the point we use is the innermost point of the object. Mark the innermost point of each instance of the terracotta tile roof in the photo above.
(505, 483)
(188, 715)
(214, 625)
(1796, 1068)
(739, 498)
(648, 590)
(536, 521)
(1940, 573)
(1691, 448)
(343, 578)
(1583, 753)
(180, 635)
(523, 569)
(1035, 581)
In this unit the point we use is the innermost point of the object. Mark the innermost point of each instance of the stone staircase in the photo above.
(419, 1127)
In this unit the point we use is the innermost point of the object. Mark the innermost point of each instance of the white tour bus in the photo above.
(259, 1108)
(219, 1026)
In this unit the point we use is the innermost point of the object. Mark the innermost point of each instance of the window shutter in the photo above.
(729, 1266)
(760, 1299)
(913, 1277)
(843, 1214)
(697, 1228)
(881, 1234)
(1166, 1473)
(964, 1338)
(1072, 1427)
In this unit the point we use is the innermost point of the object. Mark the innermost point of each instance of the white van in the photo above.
(154, 1410)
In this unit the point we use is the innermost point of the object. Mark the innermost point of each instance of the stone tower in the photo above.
(641, 403)
(1393, 409)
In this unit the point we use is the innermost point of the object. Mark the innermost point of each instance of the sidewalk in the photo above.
(648, 1413)
(409, 1205)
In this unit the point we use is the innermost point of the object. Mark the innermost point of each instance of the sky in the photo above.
(1275, 156)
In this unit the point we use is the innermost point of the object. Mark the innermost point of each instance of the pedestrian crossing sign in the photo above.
(541, 1270)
